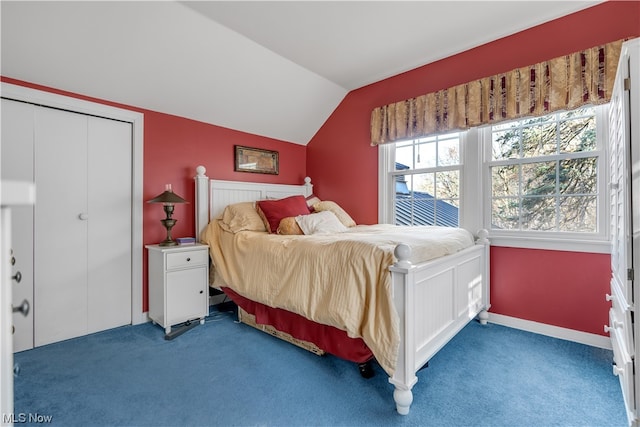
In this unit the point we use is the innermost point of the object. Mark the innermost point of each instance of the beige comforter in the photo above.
(340, 279)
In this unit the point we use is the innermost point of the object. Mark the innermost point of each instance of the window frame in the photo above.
(387, 174)
(475, 193)
(562, 240)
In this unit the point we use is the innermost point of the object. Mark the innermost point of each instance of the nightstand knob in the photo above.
(188, 259)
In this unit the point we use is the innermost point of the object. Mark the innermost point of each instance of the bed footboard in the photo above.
(435, 300)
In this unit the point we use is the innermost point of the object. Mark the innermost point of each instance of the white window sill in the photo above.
(551, 243)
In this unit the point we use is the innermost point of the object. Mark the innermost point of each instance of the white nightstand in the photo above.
(178, 285)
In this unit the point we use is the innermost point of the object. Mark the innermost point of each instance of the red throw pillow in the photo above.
(275, 210)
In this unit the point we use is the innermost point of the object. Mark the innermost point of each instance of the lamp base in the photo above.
(168, 224)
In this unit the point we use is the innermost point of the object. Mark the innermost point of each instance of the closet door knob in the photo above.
(83, 216)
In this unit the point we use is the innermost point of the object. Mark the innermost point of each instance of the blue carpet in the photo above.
(228, 374)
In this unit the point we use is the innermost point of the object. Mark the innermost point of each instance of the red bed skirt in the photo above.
(328, 338)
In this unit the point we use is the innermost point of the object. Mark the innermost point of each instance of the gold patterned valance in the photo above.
(566, 82)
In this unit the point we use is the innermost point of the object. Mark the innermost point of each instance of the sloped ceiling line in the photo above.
(275, 69)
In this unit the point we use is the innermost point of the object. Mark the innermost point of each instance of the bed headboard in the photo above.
(213, 195)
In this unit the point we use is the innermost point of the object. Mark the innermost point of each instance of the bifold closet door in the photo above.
(82, 225)
(60, 254)
(109, 239)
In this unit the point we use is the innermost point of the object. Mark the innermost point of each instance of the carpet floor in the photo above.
(227, 374)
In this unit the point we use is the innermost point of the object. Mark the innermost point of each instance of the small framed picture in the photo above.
(256, 160)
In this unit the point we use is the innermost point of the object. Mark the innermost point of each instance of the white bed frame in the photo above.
(434, 299)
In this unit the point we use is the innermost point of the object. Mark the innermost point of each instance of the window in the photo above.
(536, 182)
(426, 177)
(544, 174)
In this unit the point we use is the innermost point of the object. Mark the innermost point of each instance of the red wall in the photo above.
(174, 146)
(345, 167)
(558, 288)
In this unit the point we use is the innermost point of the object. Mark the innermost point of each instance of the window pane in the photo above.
(579, 176)
(578, 134)
(539, 178)
(504, 180)
(448, 185)
(505, 213)
(449, 151)
(447, 212)
(539, 140)
(539, 213)
(404, 156)
(423, 183)
(506, 144)
(579, 213)
(425, 155)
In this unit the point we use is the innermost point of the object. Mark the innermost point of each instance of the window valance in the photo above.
(566, 82)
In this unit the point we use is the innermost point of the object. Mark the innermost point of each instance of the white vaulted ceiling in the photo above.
(276, 69)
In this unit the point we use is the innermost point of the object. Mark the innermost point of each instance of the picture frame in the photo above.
(256, 160)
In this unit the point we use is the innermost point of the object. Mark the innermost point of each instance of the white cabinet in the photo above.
(12, 195)
(178, 284)
(624, 169)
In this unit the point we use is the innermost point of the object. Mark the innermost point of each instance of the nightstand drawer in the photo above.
(187, 259)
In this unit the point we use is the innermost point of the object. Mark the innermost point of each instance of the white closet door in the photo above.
(17, 165)
(109, 240)
(60, 292)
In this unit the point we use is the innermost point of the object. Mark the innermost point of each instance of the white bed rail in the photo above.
(434, 301)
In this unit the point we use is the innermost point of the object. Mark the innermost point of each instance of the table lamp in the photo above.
(168, 198)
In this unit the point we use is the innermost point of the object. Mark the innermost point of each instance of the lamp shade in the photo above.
(167, 197)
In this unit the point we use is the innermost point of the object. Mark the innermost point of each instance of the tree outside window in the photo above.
(544, 173)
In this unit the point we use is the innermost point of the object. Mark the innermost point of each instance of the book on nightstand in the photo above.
(186, 240)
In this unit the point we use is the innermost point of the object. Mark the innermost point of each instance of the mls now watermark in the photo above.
(26, 418)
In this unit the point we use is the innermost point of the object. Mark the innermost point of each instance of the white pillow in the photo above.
(324, 222)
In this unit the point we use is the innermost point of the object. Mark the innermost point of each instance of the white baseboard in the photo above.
(552, 331)
(143, 318)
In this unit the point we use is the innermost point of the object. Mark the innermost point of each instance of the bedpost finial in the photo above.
(201, 170)
(483, 235)
(403, 253)
(307, 180)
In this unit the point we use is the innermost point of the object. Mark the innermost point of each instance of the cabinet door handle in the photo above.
(83, 216)
(17, 277)
(188, 259)
(201, 292)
